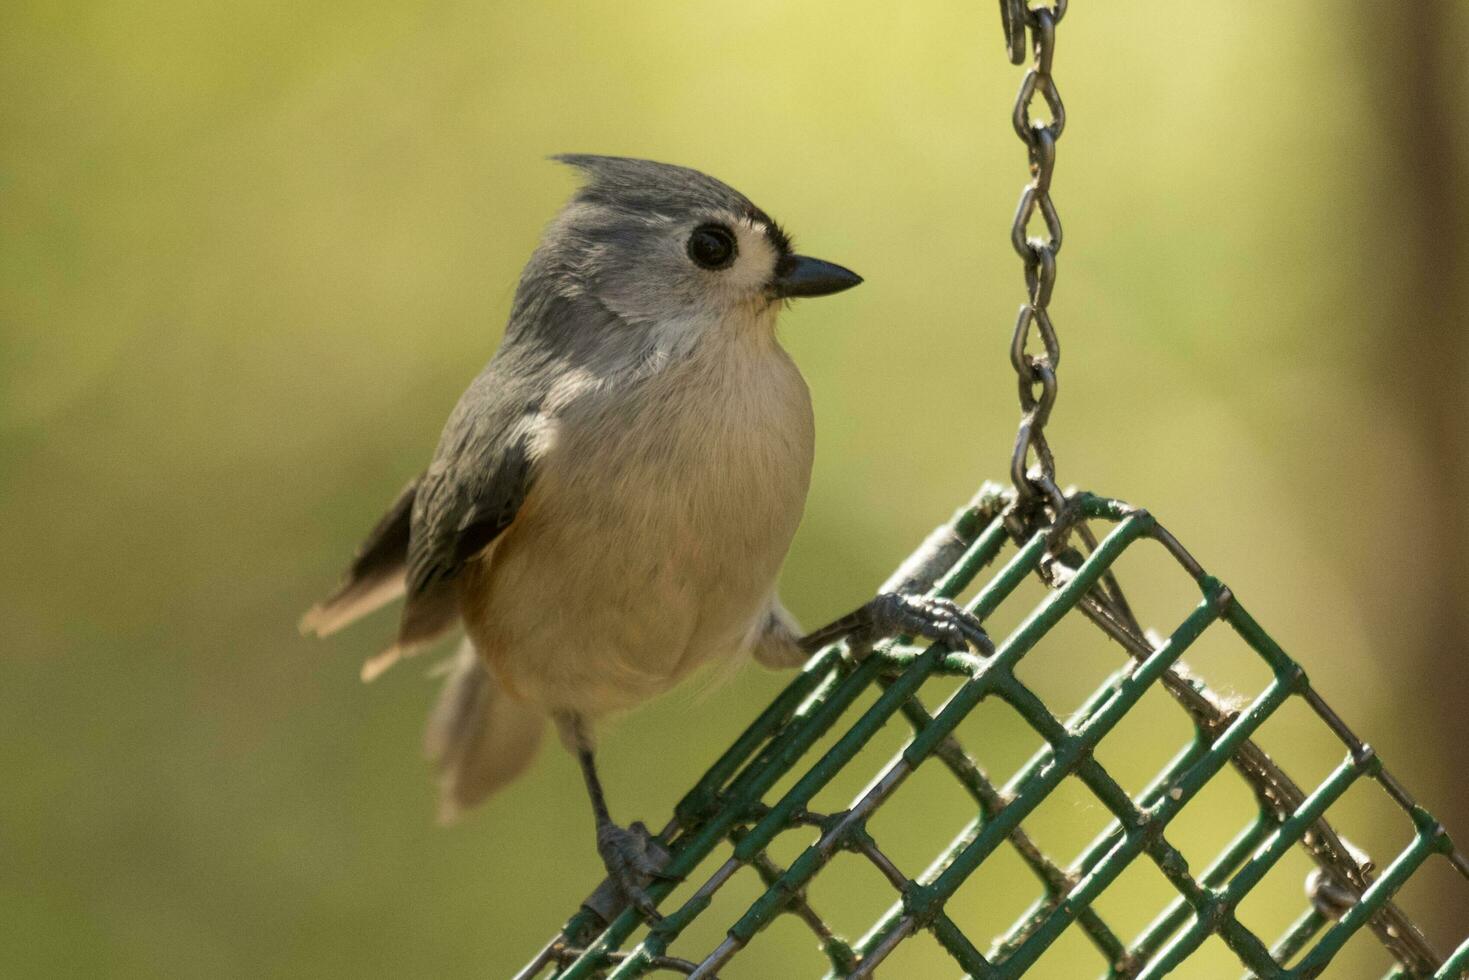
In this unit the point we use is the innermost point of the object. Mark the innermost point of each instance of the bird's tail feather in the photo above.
(479, 738)
(350, 603)
(376, 575)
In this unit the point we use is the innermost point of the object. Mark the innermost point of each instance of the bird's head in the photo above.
(657, 243)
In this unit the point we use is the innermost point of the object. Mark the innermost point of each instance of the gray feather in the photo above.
(649, 188)
(470, 494)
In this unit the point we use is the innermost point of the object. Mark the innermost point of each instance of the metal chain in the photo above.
(1036, 372)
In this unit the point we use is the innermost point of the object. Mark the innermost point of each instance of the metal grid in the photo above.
(729, 804)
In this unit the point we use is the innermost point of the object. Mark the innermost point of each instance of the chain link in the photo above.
(1036, 373)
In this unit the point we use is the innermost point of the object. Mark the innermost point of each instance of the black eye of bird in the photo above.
(712, 246)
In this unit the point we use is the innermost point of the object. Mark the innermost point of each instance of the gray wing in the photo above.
(473, 488)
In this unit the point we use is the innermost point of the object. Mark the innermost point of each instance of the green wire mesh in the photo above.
(732, 804)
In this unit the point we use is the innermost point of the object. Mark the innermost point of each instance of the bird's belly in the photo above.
(592, 617)
(614, 583)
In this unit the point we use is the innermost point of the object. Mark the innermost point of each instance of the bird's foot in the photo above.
(633, 859)
(893, 613)
(899, 614)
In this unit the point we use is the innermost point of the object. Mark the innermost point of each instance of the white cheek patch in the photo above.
(755, 264)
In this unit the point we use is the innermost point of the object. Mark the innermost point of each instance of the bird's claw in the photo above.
(941, 620)
(633, 859)
(903, 614)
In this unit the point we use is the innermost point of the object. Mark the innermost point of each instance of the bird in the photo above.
(613, 496)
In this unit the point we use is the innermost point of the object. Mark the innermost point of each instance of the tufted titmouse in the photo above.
(613, 496)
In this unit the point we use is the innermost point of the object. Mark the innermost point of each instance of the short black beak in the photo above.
(800, 275)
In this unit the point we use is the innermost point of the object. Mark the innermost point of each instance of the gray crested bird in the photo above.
(613, 496)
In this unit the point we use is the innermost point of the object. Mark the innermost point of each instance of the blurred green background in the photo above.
(253, 251)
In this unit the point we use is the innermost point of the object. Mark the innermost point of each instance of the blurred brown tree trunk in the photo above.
(1413, 57)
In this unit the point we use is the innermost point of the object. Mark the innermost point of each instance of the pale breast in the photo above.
(653, 536)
